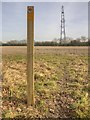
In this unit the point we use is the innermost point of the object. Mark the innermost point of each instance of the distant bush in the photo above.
(49, 43)
(72, 43)
(46, 43)
(15, 44)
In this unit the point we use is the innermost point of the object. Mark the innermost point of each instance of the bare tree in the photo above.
(83, 38)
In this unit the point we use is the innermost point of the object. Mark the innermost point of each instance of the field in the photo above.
(60, 79)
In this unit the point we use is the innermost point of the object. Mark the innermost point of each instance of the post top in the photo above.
(30, 9)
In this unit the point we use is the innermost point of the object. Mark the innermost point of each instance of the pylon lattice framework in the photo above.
(62, 34)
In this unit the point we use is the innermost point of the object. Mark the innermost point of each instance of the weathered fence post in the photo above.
(30, 44)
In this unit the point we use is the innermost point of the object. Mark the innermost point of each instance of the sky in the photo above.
(44, 0)
(47, 20)
(89, 21)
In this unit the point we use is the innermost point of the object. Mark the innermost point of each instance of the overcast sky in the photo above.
(47, 19)
(44, 0)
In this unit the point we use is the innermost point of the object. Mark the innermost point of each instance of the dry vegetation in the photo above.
(61, 83)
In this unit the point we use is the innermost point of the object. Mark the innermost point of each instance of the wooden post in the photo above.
(30, 44)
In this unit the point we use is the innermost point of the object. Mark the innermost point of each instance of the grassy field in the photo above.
(61, 83)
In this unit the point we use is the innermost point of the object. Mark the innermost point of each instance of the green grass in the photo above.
(49, 69)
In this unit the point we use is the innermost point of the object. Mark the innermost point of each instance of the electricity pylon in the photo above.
(62, 34)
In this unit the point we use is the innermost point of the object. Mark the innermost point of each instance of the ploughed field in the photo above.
(60, 79)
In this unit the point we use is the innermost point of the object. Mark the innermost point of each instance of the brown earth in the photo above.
(69, 62)
(43, 49)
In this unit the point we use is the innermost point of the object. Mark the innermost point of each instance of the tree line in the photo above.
(72, 43)
(83, 41)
